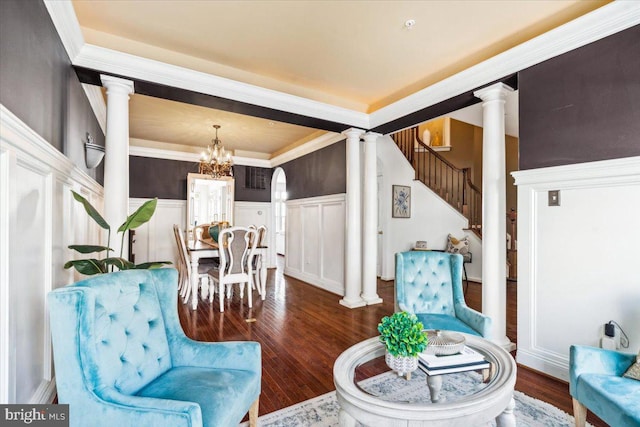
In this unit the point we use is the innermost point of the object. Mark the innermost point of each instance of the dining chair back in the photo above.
(236, 247)
(203, 268)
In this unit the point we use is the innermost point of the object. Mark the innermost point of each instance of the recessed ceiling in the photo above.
(353, 54)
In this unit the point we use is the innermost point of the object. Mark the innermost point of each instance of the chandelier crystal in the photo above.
(216, 161)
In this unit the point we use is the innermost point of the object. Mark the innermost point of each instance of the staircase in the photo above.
(451, 183)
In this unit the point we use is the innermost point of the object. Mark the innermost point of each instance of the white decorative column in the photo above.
(116, 159)
(353, 259)
(370, 220)
(494, 227)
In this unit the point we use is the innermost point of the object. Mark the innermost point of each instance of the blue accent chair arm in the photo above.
(122, 409)
(473, 318)
(592, 360)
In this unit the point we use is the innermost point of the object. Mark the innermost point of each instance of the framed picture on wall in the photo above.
(401, 203)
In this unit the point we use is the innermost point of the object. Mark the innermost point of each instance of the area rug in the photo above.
(322, 411)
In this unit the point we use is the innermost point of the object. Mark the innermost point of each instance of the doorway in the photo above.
(278, 202)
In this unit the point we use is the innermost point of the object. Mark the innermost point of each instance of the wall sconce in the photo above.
(94, 153)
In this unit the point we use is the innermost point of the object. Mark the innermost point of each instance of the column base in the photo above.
(505, 343)
(355, 303)
(372, 300)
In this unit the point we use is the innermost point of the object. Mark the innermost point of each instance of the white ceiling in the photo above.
(353, 54)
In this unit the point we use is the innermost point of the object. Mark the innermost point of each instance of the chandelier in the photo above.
(216, 161)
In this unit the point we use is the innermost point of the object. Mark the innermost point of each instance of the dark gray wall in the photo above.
(167, 179)
(38, 84)
(582, 106)
(320, 173)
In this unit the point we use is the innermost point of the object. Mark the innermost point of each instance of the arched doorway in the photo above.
(279, 207)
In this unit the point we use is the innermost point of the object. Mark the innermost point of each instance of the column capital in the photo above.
(116, 84)
(353, 133)
(371, 137)
(494, 92)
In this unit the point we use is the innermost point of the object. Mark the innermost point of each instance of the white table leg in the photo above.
(194, 280)
(346, 420)
(435, 385)
(507, 418)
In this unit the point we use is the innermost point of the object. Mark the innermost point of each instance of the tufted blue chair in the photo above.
(429, 284)
(122, 358)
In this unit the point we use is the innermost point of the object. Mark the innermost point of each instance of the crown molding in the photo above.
(98, 104)
(160, 153)
(307, 148)
(605, 21)
(131, 66)
(66, 22)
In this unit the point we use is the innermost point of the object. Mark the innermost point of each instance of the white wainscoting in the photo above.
(38, 220)
(154, 241)
(577, 263)
(315, 232)
(257, 213)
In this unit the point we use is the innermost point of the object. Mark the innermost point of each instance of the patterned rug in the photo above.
(322, 411)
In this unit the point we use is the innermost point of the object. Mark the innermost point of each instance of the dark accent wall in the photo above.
(167, 179)
(320, 173)
(38, 83)
(582, 106)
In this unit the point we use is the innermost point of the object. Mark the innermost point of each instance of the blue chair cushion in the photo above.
(444, 322)
(223, 395)
(612, 398)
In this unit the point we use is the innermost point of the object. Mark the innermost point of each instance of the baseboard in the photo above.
(315, 281)
(535, 360)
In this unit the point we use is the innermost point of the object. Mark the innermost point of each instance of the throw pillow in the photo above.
(634, 370)
(457, 246)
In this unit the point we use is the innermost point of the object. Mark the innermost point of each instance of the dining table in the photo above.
(208, 248)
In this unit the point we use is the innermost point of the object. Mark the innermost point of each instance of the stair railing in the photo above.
(450, 183)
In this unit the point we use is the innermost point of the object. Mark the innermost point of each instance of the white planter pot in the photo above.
(401, 364)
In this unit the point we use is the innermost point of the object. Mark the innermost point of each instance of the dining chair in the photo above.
(236, 246)
(203, 268)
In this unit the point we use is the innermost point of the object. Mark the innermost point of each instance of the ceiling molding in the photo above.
(131, 66)
(602, 22)
(307, 148)
(159, 153)
(98, 105)
(66, 22)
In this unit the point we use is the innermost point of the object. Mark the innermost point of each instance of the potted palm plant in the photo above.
(404, 339)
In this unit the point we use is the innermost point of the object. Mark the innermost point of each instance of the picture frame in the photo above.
(401, 201)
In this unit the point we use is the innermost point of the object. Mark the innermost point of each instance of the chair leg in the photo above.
(249, 294)
(253, 413)
(221, 292)
(579, 413)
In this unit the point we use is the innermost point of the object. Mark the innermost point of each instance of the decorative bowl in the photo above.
(442, 343)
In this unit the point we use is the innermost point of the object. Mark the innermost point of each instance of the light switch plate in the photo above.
(554, 197)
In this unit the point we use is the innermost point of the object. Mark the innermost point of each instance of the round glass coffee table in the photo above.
(370, 393)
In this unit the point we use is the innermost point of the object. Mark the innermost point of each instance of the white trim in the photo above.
(315, 144)
(331, 198)
(14, 132)
(602, 22)
(5, 335)
(111, 61)
(66, 22)
(607, 171)
(314, 280)
(45, 392)
(160, 153)
(98, 104)
(136, 202)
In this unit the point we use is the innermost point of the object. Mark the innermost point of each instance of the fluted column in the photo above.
(353, 255)
(370, 222)
(116, 159)
(494, 227)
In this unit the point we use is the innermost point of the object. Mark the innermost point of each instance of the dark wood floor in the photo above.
(303, 329)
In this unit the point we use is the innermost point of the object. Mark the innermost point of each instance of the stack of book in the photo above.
(466, 360)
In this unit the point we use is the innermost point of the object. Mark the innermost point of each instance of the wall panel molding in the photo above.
(314, 246)
(36, 224)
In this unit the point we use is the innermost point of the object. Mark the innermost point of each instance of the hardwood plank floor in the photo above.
(303, 329)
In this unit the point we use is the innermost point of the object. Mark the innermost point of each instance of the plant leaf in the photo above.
(93, 213)
(88, 267)
(88, 249)
(150, 265)
(140, 216)
(121, 263)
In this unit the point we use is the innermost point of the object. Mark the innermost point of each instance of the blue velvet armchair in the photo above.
(596, 383)
(122, 358)
(429, 284)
